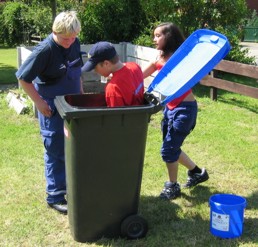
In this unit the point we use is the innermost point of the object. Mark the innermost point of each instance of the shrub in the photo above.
(193, 15)
(112, 20)
(39, 20)
(14, 25)
(237, 53)
(2, 5)
(253, 20)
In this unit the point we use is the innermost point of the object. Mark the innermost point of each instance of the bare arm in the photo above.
(82, 90)
(40, 104)
(150, 69)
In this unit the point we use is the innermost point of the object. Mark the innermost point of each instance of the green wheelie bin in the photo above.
(104, 155)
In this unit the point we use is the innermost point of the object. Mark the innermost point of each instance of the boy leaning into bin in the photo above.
(125, 87)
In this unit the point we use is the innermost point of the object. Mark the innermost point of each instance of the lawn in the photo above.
(8, 65)
(224, 141)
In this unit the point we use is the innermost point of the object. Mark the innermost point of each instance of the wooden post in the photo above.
(213, 93)
(213, 90)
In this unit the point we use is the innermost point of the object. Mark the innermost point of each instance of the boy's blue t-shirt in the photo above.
(48, 62)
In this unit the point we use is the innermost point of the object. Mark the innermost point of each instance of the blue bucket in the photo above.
(227, 215)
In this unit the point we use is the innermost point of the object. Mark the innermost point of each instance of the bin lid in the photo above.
(194, 59)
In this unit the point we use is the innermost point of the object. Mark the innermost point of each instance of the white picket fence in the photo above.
(126, 51)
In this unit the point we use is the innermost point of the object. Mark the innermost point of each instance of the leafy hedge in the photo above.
(13, 22)
(113, 20)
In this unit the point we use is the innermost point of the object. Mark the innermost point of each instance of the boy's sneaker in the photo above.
(194, 179)
(61, 206)
(170, 191)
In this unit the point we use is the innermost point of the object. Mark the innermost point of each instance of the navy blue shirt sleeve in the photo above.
(36, 63)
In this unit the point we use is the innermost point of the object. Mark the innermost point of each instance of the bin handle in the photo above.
(152, 99)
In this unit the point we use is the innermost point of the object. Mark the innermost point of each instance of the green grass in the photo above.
(8, 65)
(224, 141)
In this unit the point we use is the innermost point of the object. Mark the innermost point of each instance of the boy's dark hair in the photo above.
(113, 60)
(173, 37)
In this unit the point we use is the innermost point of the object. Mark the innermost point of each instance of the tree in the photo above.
(191, 15)
(112, 20)
(225, 16)
(13, 24)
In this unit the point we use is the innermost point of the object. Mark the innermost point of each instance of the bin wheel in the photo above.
(134, 227)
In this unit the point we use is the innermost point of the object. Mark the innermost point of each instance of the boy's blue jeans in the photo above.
(52, 132)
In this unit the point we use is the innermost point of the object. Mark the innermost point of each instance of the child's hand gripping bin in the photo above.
(104, 157)
(194, 59)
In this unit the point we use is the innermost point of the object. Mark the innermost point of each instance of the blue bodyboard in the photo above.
(194, 59)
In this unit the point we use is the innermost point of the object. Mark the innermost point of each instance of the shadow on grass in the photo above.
(168, 228)
(252, 202)
(239, 103)
(167, 211)
(204, 91)
(7, 74)
(198, 195)
(201, 91)
(251, 223)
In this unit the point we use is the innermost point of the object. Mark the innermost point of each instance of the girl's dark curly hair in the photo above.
(173, 37)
